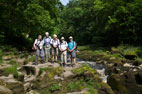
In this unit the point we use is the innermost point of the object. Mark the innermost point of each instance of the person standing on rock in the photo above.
(47, 46)
(72, 50)
(63, 49)
(38, 47)
(54, 50)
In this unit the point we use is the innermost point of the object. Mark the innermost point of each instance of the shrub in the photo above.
(54, 87)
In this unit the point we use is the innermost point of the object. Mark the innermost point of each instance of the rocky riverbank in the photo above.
(19, 76)
(123, 68)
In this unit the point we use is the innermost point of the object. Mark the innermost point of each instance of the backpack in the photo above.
(37, 44)
(45, 38)
(74, 45)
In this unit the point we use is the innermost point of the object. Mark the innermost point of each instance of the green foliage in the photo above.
(139, 52)
(11, 70)
(103, 23)
(44, 91)
(22, 21)
(130, 51)
(30, 59)
(13, 62)
(1, 59)
(45, 69)
(77, 85)
(54, 87)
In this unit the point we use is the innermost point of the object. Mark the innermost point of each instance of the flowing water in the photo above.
(100, 68)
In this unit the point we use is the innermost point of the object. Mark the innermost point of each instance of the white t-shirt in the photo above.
(63, 45)
(38, 43)
(55, 42)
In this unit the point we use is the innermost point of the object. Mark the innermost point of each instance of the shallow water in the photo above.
(100, 68)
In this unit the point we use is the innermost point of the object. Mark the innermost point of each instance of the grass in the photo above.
(11, 70)
(30, 59)
(13, 62)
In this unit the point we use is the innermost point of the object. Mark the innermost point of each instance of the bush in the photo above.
(54, 87)
(139, 52)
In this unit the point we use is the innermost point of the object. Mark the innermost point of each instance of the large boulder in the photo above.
(126, 83)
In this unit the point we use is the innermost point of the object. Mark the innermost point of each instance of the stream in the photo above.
(100, 68)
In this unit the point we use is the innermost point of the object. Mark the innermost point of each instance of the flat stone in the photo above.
(67, 74)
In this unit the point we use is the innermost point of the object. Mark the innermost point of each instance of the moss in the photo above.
(44, 91)
(130, 51)
(45, 69)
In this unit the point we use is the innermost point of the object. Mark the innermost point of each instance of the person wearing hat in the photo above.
(63, 49)
(54, 50)
(71, 49)
(38, 47)
(47, 46)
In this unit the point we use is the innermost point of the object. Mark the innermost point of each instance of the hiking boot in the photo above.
(34, 63)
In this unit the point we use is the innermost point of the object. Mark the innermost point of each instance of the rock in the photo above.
(27, 86)
(81, 92)
(57, 77)
(29, 78)
(4, 90)
(127, 65)
(42, 75)
(112, 58)
(32, 92)
(15, 86)
(56, 65)
(67, 74)
(31, 70)
(128, 83)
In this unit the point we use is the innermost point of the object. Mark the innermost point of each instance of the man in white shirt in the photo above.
(63, 49)
(38, 47)
(54, 50)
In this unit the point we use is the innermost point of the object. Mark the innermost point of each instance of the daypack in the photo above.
(37, 44)
(46, 37)
(74, 45)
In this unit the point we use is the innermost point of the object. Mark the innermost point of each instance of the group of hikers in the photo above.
(49, 48)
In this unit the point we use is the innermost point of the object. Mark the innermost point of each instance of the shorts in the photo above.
(54, 51)
(72, 54)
